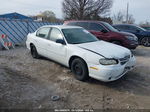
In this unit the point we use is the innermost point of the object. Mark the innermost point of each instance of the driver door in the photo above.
(56, 51)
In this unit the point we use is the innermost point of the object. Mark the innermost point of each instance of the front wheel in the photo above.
(146, 41)
(80, 70)
(34, 52)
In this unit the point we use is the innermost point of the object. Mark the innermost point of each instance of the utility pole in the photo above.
(127, 16)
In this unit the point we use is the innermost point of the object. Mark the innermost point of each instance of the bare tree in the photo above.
(118, 17)
(131, 19)
(86, 9)
(144, 23)
(121, 17)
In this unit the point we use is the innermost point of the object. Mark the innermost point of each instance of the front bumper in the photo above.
(131, 44)
(111, 73)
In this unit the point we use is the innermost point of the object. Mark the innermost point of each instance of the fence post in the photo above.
(28, 26)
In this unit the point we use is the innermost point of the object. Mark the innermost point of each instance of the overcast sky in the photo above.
(139, 8)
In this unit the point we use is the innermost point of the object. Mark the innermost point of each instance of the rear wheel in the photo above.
(80, 70)
(34, 52)
(146, 41)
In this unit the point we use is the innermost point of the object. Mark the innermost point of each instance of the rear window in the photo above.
(84, 25)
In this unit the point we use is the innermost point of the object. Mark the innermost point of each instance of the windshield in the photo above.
(140, 28)
(78, 36)
(110, 27)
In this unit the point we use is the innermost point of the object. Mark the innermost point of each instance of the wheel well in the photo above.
(31, 44)
(74, 57)
(116, 40)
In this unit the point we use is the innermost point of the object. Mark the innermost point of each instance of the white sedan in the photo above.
(82, 52)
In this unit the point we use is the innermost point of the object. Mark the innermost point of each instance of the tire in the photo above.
(80, 70)
(116, 42)
(145, 41)
(34, 52)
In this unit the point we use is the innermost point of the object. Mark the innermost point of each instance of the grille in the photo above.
(124, 60)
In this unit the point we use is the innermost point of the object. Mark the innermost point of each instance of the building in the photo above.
(15, 16)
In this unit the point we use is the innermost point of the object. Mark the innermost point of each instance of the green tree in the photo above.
(48, 16)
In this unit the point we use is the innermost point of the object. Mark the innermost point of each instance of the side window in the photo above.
(126, 27)
(55, 34)
(85, 25)
(122, 27)
(119, 27)
(134, 29)
(96, 27)
(43, 32)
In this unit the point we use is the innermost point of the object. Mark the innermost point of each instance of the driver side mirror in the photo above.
(61, 41)
(118, 30)
(138, 31)
(104, 31)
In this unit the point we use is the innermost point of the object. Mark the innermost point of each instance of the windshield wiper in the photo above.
(75, 43)
(84, 42)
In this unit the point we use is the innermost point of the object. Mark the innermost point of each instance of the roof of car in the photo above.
(62, 26)
(93, 21)
(124, 25)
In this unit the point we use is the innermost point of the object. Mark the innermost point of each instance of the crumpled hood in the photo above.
(108, 50)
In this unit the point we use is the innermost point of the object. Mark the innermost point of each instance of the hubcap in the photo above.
(146, 42)
(78, 69)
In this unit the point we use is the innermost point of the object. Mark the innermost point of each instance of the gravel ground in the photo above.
(29, 83)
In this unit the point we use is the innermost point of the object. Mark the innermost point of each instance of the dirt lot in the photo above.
(29, 83)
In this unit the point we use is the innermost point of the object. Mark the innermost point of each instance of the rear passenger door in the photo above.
(40, 40)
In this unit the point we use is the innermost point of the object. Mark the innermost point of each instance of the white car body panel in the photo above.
(107, 49)
(91, 53)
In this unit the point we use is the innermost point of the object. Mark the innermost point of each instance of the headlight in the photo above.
(132, 55)
(108, 61)
(129, 37)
